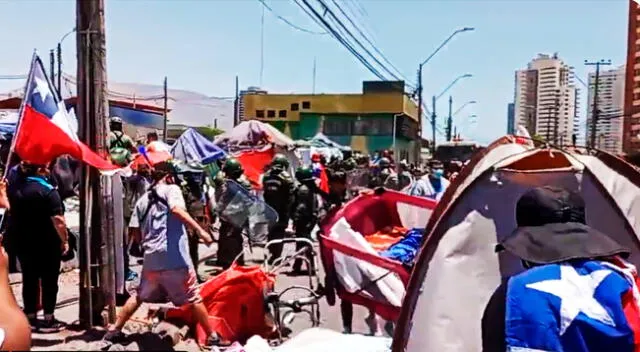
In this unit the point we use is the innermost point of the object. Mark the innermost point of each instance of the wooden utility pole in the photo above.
(165, 111)
(96, 248)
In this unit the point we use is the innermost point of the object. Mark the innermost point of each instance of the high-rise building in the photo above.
(546, 99)
(610, 106)
(631, 119)
(511, 117)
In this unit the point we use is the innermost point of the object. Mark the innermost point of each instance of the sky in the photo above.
(201, 45)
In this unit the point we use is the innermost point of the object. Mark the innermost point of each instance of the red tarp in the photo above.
(235, 302)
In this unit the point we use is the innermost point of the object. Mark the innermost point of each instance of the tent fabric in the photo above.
(320, 140)
(235, 302)
(457, 261)
(254, 163)
(193, 148)
(364, 276)
(253, 133)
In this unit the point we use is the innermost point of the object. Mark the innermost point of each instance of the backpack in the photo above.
(118, 150)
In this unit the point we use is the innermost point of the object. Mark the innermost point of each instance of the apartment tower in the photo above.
(631, 116)
(546, 99)
(609, 126)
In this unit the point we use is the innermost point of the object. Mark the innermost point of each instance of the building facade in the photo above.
(609, 128)
(631, 116)
(546, 99)
(366, 122)
(511, 118)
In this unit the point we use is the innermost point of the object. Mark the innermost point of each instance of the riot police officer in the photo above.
(278, 185)
(230, 241)
(305, 212)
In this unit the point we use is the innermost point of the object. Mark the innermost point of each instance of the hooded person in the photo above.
(576, 293)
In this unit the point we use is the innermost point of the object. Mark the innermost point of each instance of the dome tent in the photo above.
(458, 269)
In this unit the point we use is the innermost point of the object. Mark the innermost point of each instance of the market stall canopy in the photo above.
(193, 148)
(254, 133)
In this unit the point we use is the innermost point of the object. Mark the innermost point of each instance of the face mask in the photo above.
(437, 173)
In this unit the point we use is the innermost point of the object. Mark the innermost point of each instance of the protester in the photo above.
(437, 184)
(576, 293)
(15, 332)
(158, 221)
(37, 216)
(278, 189)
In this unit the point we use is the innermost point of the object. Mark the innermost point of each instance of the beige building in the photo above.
(545, 101)
(611, 106)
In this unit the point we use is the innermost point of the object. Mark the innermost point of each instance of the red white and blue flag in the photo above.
(579, 307)
(45, 129)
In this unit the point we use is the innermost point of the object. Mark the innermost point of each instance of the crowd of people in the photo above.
(167, 214)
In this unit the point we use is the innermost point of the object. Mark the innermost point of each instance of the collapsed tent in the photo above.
(251, 134)
(195, 150)
(320, 144)
(364, 275)
(254, 144)
(457, 269)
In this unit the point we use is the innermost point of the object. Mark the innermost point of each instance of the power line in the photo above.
(327, 9)
(292, 25)
(320, 20)
(375, 48)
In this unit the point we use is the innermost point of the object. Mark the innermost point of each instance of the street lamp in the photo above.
(59, 56)
(466, 75)
(419, 88)
(463, 106)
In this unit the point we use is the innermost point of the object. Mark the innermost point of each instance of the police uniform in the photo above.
(278, 189)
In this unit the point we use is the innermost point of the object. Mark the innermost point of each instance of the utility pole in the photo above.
(236, 105)
(595, 112)
(419, 91)
(59, 55)
(165, 112)
(96, 248)
(52, 65)
(433, 121)
(449, 119)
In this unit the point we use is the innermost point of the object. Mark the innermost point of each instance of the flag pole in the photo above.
(20, 113)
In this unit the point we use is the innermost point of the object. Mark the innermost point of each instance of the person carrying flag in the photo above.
(577, 293)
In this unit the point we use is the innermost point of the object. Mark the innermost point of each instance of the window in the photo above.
(337, 127)
(282, 113)
(306, 105)
(259, 114)
(373, 126)
(295, 107)
(271, 113)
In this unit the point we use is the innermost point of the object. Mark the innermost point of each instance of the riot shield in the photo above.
(240, 207)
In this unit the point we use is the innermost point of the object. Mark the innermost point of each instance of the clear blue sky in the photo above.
(202, 45)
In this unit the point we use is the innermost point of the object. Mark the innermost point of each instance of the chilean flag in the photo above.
(45, 129)
(579, 307)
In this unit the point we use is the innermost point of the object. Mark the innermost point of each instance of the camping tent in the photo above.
(193, 148)
(253, 133)
(457, 269)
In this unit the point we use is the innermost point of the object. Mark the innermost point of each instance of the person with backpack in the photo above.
(158, 222)
(278, 189)
(121, 146)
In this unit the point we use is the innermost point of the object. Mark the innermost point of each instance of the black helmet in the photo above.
(280, 160)
(304, 173)
(232, 167)
(384, 163)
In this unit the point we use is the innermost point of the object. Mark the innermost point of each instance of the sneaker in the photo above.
(212, 341)
(34, 323)
(52, 325)
(132, 275)
(347, 330)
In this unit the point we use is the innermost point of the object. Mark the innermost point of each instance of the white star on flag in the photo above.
(43, 88)
(576, 295)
